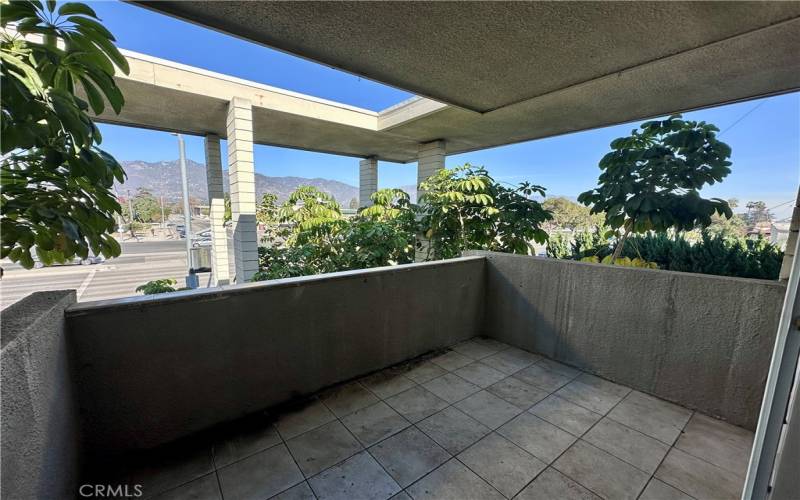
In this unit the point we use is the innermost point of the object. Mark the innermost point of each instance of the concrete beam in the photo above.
(241, 170)
(367, 180)
(216, 203)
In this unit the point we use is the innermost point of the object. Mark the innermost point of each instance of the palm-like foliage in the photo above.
(465, 208)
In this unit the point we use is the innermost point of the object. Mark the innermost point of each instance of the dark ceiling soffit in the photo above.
(173, 9)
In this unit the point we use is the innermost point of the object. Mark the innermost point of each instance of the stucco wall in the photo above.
(701, 341)
(153, 369)
(40, 437)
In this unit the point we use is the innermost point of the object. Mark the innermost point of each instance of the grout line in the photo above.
(653, 475)
(551, 464)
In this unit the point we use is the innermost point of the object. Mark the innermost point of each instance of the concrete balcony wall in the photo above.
(40, 428)
(701, 341)
(153, 369)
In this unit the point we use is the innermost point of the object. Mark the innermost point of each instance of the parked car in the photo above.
(202, 239)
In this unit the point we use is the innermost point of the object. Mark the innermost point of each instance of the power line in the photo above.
(742, 117)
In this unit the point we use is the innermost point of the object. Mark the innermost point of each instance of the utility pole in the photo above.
(130, 206)
(163, 223)
(191, 278)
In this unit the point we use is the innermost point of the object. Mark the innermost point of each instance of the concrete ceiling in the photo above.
(485, 56)
(526, 87)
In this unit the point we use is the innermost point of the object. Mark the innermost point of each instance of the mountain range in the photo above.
(164, 178)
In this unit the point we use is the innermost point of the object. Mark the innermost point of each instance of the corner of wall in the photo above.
(41, 438)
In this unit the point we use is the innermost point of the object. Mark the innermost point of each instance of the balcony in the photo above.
(489, 376)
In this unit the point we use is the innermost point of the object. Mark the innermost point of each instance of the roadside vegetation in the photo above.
(58, 202)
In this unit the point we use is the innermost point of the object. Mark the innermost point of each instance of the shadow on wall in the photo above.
(649, 329)
(40, 426)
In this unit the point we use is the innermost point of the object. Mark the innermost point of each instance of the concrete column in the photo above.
(216, 204)
(788, 254)
(367, 180)
(430, 159)
(241, 172)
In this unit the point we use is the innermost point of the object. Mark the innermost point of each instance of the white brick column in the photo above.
(430, 159)
(367, 180)
(241, 172)
(216, 204)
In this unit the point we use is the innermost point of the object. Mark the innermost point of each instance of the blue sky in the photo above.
(764, 134)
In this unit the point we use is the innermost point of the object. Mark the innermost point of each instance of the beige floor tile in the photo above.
(543, 440)
(639, 450)
(303, 417)
(374, 423)
(652, 416)
(453, 429)
(416, 403)
(323, 447)
(452, 481)
(480, 374)
(699, 478)
(409, 455)
(564, 414)
(488, 409)
(451, 387)
(553, 485)
(601, 472)
(346, 399)
(262, 475)
(502, 464)
(359, 477)
(717, 442)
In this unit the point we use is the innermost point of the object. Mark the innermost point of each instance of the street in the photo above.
(139, 263)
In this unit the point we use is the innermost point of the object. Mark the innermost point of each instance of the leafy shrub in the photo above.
(157, 286)
(712, 254)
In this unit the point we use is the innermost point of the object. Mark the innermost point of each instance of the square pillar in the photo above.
(241, 172)
(430, 159)
(216, 215)
(367, 180)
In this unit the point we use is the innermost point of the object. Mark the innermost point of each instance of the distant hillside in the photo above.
(165, 177)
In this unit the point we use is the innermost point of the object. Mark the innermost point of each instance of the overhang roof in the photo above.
(585, 68)
(486, 56)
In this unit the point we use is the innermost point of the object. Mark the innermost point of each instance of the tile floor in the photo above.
(483, 420)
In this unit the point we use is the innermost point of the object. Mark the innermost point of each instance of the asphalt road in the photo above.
(139, 263)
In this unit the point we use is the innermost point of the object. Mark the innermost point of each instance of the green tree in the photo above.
(651, 179)
(56, 182)
(757, 213)
(464, 208)
(314, 215)
(267, 215)
(146, 207)
(570, 215)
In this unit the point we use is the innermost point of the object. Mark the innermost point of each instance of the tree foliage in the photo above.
(570, 215)
(146, 207)
(319, 240)
(56, 182)
(464, 208)
(158, 286)
(651, 179)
